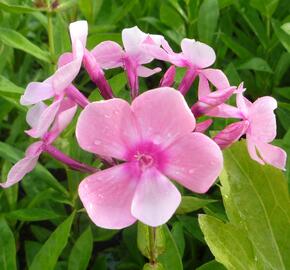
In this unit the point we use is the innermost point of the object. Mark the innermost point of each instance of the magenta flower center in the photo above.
(144, 160)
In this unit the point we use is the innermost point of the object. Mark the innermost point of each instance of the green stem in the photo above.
(51, 38)
(152, 245)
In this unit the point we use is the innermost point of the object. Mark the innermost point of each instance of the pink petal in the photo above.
(197, 53)
(262, 119)
(44, 120)
(155, 52)
(64, 59)
(251, 145)
(272, 155)
(63, 118)
(33, 114)
(132, 38)
(195, 161)
(107, 128)
(231, 134)
(23, 166)
(108, 54)
(203, 126)
(168, 77)
(146, 72)
(107, 196)
(218, 97)
(203, 86)
(36, 92)
(225, 111)
(216, 77)
(155, 199)
(78, 31)
(162, 114)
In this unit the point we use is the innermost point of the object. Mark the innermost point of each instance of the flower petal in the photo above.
(146, 72)
(32, 116)
(203, 126)
(195, 161)
(132, 38)
(155, 199)
(253, 151)
(197, 53)
(23, 166)
(216, 77)
(107, 196)
(203, 86)
(78, 31)
(108, 54)
(107, 128)
(262, 119)
(225, 111)
(272, 155)
(162, 115)
(45, 119)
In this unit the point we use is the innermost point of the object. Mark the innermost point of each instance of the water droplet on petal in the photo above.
(191, 171)
(97, 142)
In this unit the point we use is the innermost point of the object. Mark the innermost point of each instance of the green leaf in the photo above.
(9, 88)
(7, 247)
(31, 214)
(17, 9)
(256, 198)
(18, 41)
(212, 265)
(144, 241)
(286, 27)
(257, 64)
(190, 204)
(47, 256)
(207, 20)
(81, 252)
(228, 243)
(236, 47)
(266, 7)
(170, 258)
(281, 35)
(156, 266)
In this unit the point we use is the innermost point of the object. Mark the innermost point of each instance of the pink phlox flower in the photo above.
(64, 115)
(69, 65)
(153, 140)
(109, 54)
(258, 123)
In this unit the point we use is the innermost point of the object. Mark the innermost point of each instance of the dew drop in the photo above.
(191, 171)
(97, 142)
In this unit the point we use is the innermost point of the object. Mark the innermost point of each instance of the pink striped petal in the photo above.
(225, 111)
(107, 128)
(132, 38)
(163, 114)
(44, 120)
(78, 31)
(155, 199)
(108, 54)
(107, 196)
(203, 126)
(263, 120)
(216, 77)
(168, 77)
(23, 166)
(231, 134)
(36, 92)
(33, 114)
(195, 161)
(64, 59)
(218, 97)
(272, 155)
(197, 53)
(251, 145)
(203, 86)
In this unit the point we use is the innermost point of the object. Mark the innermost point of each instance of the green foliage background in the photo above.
(245, 223)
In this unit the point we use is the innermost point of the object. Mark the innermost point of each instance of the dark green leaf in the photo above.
(190, 204)
(32, 214)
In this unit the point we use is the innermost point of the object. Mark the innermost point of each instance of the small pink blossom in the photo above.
(259, 125)
(154, 139)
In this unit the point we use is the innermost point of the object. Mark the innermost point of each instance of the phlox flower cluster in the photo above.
(153, 140)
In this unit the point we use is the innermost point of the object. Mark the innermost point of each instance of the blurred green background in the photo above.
(252, 43)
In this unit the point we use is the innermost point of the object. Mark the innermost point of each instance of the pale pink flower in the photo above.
(66, 111)
(259, 125)
(109, 54)
(155, 141)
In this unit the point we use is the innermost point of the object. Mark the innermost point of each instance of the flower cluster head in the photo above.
(151, 140)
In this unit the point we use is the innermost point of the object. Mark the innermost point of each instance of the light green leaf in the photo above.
(228, 243)
(47, 256)
(31, 214)
(17, 8)
(207, 20)
(9, 88)
(156, 266)
(81, 252)
(281, 35)
(266, 7)
(286, 27)
(190, 204)
(18, 41)
(7, 247)
(212, 265)
(256, 198)
(170, 258)
(257, 64)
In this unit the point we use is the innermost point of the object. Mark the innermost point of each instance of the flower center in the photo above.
(144, 160)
